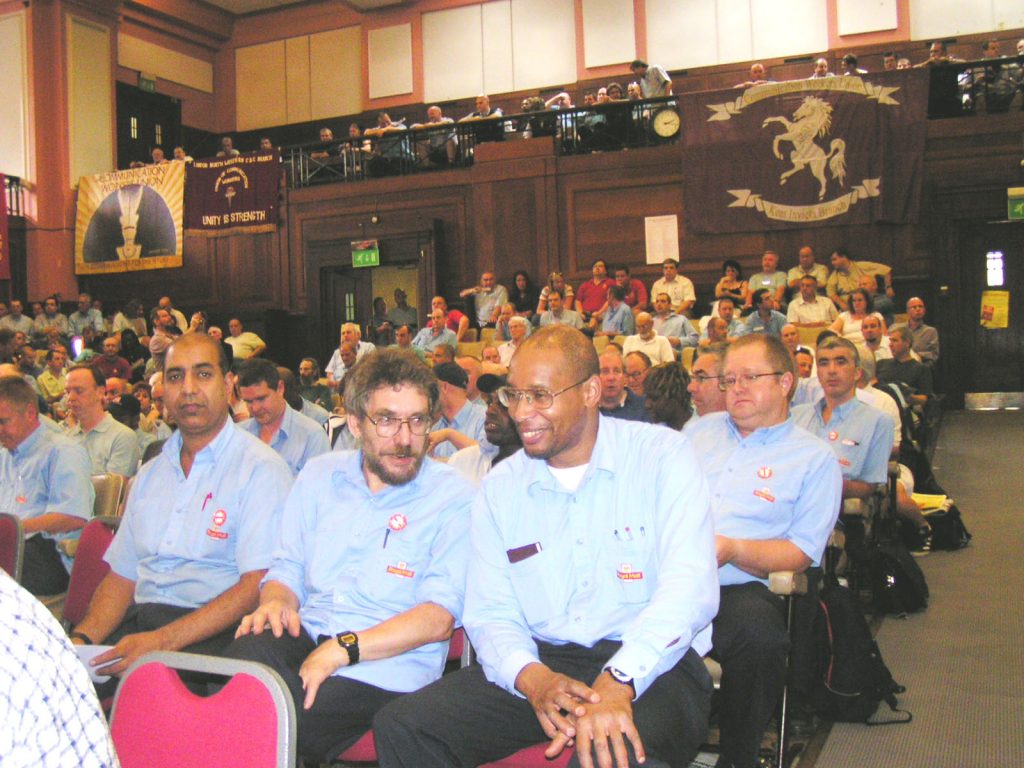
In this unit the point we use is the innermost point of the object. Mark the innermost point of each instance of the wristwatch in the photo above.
(620, 677)
(350, 642)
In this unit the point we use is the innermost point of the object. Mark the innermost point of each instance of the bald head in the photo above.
(576, 349)
(190, 340)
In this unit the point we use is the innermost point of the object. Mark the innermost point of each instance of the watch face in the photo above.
(349, 638)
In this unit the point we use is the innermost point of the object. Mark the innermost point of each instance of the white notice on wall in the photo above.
(662, 234)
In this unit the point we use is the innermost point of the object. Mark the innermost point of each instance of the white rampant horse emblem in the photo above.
(812, 119)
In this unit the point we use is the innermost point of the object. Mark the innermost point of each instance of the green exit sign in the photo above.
(147, 82)
(365, 253)
(1015, 203)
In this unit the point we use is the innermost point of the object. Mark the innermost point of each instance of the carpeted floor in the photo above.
(962, 660)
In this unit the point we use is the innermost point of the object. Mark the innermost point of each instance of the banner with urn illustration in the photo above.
(830, 151)
(228, 195)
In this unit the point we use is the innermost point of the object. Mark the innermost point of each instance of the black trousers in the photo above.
(42, 570)
(343, 709)
(464, 720)
(750, 641)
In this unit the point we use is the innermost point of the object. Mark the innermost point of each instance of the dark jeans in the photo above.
(42, 570)
(464, 720)
(343, 709)
(749, 640)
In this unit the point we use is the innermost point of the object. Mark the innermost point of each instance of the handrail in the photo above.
(15, 195)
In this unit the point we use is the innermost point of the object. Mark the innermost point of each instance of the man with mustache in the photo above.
(368, 580)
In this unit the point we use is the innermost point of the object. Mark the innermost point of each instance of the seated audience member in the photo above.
(461, 420)
(735, 325)
(326, 137)
(758, 76)
(128, 412)
(556, 282)
(15, 320)
(902, 368)
(592, 295)
(53, 381)
(846, 274)
(653, 79)
(181, 155)
(179, 317)
(345, 646)
(490, 354)
(390, 151)
(806, 265)
(557, 314)
(775, 494)
(227, 147)
(402, 313)
(705, 377)
(475, 461)
(925, 338)
(244, 344)
(875, 340)
(442, 146)
(158, 157)
(110, 364)
(809, 309)
(889, 61)
(49, 322)
(519, 329)
(473, 368)
(483, 109)
(458, 323)
(860, 436)
(310, 387)
(618, 318)
(675, 327)
(501, 326)
(997, 84)
(790, 338)
(488, 297)
(765, 319)
(803, 359)
(717, 332)
(114, 389)
(616, 399)
(436, 334)
(403, 340)
(938, 53)
(631, 658)
(443, 353)
(821, 69)
(341, 362)
(636, 365)
(633, 91)
(85, 321)
(379, 328)
(732, 283)
(657, 348)
(293, 396)
(882, 304)
(45, 484)
(679, 289)
(849, 323)
(352, 332)
(523, 295)
(635, 290)
(667, 396)
(770, 278)
(215, 494)
(295, 438)
(849, 66)
(112, 447)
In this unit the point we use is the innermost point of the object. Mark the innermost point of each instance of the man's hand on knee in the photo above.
(602, 732)
(556, 699)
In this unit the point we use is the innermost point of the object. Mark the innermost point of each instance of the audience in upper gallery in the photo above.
(849, 65)
(679, 288)
(326, 137)
(821, 69)
(758, 76)
(158, 157)
(997, 84)
(889, 60)
(903, 63)
(938, 53)
(653, 79)
(182, 155)
(441, 147)
(227, 147)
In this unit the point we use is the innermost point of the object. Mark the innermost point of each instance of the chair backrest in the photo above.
(12, 545)
(689, 353)
(487, 335)
(158, 723)
(124, 496)
(88, 569)
(109, 488)
(470, 335)
(474, 348)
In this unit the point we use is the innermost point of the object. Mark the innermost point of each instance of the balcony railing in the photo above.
(14, 192)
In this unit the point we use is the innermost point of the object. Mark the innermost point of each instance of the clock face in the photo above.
(666, 123)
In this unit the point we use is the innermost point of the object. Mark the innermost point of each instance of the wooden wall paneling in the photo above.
(517, 239)
(252, 272)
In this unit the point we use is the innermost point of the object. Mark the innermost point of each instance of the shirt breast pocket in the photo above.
(631, 572)
(394, 574)
(532, 582)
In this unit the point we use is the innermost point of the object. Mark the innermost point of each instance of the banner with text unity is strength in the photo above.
(831, 151)
(228, 195)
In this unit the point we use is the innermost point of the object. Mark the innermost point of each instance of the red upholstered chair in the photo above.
(12, 545)
(88, 568)
(158, 723)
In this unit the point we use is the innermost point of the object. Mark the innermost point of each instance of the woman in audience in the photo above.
(667, 395)
(732, 283)
(523, 295)
(134, 352)
(556, 282)
(848, 323)
(132, 317)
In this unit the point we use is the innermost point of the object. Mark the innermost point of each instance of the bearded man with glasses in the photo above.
(368, 582)
(775, 491)
(591, 588)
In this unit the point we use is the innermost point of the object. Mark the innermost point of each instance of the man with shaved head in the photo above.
(591, 585)
(657, 348)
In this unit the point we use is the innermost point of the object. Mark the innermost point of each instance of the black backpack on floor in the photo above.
(898, 585)
(850, 678)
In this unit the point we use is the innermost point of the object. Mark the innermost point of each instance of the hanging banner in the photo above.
(5, 245)
(228, 195)
(830, 151)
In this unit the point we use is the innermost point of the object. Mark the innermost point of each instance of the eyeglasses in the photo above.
(541, 399)
(389, 426)
(746, 379)
(702, 378)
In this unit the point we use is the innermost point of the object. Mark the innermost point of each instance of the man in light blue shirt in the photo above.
(458, 412)
(775, 492)
(765, 319)
(435, 334)
(368, 581)
(295, 437)
(618, 317)
(86, 321)
(860, 436)
(591, 588)
(199, 529)
(112, 447)
(44, 480)
(675, 327)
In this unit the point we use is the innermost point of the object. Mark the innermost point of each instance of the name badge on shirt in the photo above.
(626, 573)
(765, 493)
(401, 570)
(848, 441)
(220, 517)
(519, 554)
(844, 462)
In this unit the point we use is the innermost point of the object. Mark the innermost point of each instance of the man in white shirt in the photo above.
(645, 340)
(809, 309)
(679, 288)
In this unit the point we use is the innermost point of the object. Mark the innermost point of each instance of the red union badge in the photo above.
(397, 522)
(844, 462)
(401, 570)
(220, 517)
(833, 435)
(764, 473)
(765, 493)
(626, 573)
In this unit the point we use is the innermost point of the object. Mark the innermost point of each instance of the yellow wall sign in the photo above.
(995, 309)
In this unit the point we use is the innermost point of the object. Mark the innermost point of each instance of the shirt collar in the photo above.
(29, 443)
(211, 452)
(762, 435)
(602, 459)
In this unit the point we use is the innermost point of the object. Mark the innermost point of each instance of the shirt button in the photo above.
(643, 668)
(578, 619)
(579, 542)
(586, 583)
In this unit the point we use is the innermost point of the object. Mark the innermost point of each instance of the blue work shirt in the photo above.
(779, 482)
(629, 555)
(676, 326)
(186, 540)
(47, 472)
(427, 341)
(772, 326)
(469, 421)
(354, 558)
(111, 446)
(297, 440)
(619, 320)
(860, 436)
(806, 391)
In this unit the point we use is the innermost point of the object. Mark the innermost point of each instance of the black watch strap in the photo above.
(350, 642)
(81, 636)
